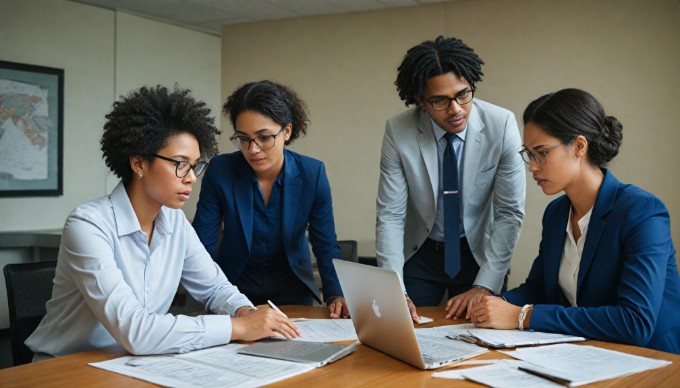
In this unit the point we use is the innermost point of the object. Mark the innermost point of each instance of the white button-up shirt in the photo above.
(571, 258)
(111, 287)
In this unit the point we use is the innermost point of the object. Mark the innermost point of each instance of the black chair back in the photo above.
(348, 250)
(29, 287)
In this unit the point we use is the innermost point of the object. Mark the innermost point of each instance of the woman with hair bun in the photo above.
(606, 267)
(265, 199)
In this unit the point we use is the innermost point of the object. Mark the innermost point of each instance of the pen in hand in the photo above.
(272, 305)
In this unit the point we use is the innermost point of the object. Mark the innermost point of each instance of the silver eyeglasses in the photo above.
(539, 157)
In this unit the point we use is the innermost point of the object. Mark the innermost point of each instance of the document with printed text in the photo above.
(495, 338)
(507, 373)
(326, 330)
(214, 367)
(575, 365)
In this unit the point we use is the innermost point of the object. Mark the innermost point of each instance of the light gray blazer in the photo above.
(493, 189)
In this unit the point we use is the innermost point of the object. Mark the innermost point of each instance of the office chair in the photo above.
(29, 287)
(368, 260)
(348, 250)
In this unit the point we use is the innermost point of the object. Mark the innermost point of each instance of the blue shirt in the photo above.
(110, 287)
(267, 251)
(437, 232)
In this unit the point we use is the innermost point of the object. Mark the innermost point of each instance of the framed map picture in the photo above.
(31, 130)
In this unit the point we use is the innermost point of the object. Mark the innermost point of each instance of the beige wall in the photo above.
(79, 40)
(167, 55)
(104, 54)
(625, 52)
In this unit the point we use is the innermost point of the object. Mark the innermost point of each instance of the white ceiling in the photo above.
(210, 15)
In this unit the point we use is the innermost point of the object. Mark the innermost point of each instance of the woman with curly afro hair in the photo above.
(123, 256)
(267, 198)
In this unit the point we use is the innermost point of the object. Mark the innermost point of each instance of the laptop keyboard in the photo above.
(435, 350)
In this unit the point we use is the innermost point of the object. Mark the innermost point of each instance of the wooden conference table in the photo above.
(364, 367)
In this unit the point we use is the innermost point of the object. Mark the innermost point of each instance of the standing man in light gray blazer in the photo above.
(439, 78)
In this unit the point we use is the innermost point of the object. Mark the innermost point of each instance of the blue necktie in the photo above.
(451, 209)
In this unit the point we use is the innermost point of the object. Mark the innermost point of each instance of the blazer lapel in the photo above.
(472, 153)
(292, 192)
(553, 255)
(598, 224)
(243, 194)
(428, 151)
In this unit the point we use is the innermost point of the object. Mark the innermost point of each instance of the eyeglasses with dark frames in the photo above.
(442, 102)
(182, 167)
(263, 142)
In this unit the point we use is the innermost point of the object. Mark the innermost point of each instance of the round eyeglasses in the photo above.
(442, 102)
(182, 167)
(263, 142)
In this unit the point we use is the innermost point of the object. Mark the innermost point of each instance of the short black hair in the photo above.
(278, 102)
(142, 122)
(568, 113)
(433, 58)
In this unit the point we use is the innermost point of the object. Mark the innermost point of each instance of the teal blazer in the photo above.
(628, 286)
(227, 198)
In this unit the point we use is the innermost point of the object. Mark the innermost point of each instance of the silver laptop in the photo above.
(318, 353)
(382, 320)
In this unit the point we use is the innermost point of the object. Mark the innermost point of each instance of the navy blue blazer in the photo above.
(227, 197)
(628, 286)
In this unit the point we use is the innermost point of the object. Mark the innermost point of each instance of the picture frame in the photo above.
(31, 130)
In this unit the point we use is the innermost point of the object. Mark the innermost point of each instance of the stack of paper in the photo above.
(554, 366)
(218, 366)
(499, 339)
(502, 374)
(577, 364)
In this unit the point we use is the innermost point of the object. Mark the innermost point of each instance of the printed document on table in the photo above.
(581, 364)
(506, 373)
(326, 330)
(213, 367)
(496, 338)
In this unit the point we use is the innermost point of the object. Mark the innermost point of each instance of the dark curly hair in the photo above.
(278, 102)
(142, 122)
(568, 113)
(430, 59)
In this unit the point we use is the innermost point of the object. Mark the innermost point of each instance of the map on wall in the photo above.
(31, 130)
(23, 131)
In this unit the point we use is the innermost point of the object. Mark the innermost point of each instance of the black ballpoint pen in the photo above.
(546, 376)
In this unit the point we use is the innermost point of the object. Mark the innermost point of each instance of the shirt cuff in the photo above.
(485, 287)
(217, 330)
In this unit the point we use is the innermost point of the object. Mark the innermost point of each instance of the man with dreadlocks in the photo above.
(452, 183)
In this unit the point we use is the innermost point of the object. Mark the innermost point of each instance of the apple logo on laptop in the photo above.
(376, 309)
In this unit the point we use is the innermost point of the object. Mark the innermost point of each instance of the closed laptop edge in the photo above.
(317, 353)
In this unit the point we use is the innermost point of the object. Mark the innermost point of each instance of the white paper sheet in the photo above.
(326, 330)
(214, 367)
(504, 338)
(505, 374)
(581, 364)
(457, 374)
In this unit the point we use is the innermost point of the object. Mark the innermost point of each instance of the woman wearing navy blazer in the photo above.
(266, 198)
(606, 266)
